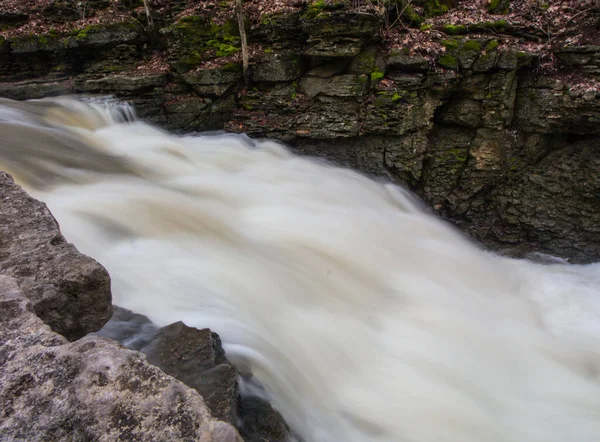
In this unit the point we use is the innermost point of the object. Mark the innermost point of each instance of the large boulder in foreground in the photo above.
(92, 389)
(68, 290)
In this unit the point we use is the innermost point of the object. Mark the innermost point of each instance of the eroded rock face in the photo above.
(68, 290)
(537, 204)
(92, 389)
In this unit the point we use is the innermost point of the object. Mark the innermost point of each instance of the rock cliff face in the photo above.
(90, 389)
(506, 154)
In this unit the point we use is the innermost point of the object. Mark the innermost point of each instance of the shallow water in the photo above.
(365, 317)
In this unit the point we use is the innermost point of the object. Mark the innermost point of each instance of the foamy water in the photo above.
(365, 317)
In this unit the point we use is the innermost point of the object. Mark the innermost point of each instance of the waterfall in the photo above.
(364, 316)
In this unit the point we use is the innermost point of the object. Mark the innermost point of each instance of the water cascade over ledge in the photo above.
(365, 317)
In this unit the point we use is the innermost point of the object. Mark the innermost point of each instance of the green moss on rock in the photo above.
(498, 25)
(412, 16)
(450, 44)
(189, 61)
(33, 43)
(377, 75)
(472, 45)
(119, 27)
(363, 63)
(194, 39)
(455, 29)
(223, 49)
(492, 45)
(457, 154)
(494, 26)
(448, 61)
(314, 10)
(435, 7)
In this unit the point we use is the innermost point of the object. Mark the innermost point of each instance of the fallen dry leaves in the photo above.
(541, 25)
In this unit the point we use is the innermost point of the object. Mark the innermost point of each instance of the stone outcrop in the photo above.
(92, 389)
(460, 128)
(69, 291)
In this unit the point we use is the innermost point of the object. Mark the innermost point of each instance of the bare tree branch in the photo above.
(80, 7)
(239, 6)
(149, 14)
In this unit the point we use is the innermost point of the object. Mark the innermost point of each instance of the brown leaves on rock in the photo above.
(25, 7)
(41, 20)
(259, 8)
(158, 63)
(534, 26)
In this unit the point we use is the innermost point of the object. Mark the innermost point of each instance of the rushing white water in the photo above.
(365, 317)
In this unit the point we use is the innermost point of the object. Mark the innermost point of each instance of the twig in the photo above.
(579, 13)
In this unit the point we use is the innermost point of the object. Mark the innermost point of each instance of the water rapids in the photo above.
(364, 316)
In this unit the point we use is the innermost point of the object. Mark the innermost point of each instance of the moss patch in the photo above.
(448, 61)
(459, 155)
(498, 25)
(435, 7)
(83, 33)
(495, 26)
(377, 75)
(397, 96)
(455, 29)
(412, 16)
(314, 10)
(38, 42)
(472, 45)
(364, 62)
(197, 38)
(450, 44)
(222, 49)
(492, 45)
